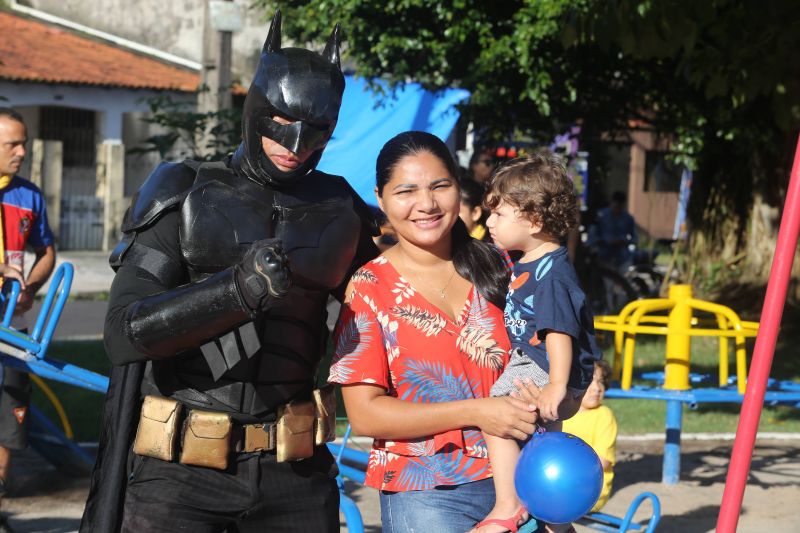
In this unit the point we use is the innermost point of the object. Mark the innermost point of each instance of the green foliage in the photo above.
(717, 77)
(543, 63)
(206, 136)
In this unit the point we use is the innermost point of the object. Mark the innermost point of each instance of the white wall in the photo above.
(118, 120)
(111, 104)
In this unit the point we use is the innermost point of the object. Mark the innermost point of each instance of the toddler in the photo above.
(549, 322)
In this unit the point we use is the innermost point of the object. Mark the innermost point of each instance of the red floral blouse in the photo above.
(389, 335)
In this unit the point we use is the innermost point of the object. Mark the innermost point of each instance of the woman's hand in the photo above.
(527, 391)
(506, 417)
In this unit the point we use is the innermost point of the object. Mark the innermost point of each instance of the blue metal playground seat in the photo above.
(607, 522)
(28, 352)
(353, 463)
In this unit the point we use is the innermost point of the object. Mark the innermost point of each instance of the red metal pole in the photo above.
(763, 353)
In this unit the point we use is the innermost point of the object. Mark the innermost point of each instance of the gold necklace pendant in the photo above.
(442, 293)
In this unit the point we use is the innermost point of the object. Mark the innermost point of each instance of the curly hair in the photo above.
(605, 369)
(537, 184)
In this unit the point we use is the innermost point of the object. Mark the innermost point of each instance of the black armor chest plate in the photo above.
(223, 214)
(219, 218)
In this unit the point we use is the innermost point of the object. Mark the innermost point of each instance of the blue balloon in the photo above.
(558, 477)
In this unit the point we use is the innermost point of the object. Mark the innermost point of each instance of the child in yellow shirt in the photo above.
(595, 424)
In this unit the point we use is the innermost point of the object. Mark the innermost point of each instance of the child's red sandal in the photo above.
(511, 523)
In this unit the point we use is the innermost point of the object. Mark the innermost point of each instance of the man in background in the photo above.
(24, 223)
(615, 232)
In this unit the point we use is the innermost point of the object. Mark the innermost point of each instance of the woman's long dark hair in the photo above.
(477, 261)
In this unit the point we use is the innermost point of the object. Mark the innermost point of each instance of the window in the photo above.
(73, 127)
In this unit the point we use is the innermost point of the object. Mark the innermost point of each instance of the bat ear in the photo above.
(273, 42)
(331, 52)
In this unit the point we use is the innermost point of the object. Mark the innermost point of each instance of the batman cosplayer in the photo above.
(217, 322)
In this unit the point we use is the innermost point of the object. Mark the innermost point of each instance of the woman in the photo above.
(420, 341)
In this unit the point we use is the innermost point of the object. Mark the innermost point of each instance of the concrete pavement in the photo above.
(92, 273)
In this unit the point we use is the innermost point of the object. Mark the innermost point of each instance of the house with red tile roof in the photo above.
(85, 91)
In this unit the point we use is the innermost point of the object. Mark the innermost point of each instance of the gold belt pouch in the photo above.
(325, 423)
(158, 428)
(295, 431)
(206, 439)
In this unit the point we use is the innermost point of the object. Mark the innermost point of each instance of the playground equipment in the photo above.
(28, 352)
(679, 326)
(353, 463)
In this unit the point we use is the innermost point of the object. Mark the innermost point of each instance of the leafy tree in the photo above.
(717, 77)
(185, 132)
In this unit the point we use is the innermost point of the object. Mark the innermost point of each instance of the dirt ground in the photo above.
(42, 500)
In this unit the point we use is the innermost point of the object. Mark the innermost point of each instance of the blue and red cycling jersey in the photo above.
(24, 220)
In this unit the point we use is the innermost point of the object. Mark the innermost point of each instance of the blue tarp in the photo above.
(367, 121)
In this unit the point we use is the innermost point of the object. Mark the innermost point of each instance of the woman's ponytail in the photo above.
(481, 263)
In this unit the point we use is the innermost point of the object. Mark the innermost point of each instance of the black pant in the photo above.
(255, 494)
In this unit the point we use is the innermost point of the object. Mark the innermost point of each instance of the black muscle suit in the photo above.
(193, 315)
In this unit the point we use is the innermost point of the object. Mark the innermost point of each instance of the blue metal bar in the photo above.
(789, 386)
(347, 506)
(607, 522)
(47, 320)
(632, 508)
(59, 371)
(352, 516)
(10, 294)
(672, 445)
(352, 473)
(344, 443)
(710, 395)
(19, 340)
(37, 342)
(348, 454)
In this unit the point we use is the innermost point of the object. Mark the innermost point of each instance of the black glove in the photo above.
(263, 274)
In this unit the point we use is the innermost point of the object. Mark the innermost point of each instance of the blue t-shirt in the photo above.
(544, 295)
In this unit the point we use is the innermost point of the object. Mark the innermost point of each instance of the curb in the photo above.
(771, 435)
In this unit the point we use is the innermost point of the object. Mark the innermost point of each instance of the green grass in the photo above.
(83, 407)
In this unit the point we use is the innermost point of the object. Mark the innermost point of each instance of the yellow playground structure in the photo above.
(674, 318)
(678, 326)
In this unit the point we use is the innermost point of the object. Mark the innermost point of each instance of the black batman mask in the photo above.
(299, 86)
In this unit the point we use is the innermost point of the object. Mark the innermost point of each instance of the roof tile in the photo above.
(34, 51)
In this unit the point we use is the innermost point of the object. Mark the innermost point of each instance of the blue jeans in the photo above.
(453, 509)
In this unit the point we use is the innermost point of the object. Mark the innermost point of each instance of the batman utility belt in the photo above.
(209, 438)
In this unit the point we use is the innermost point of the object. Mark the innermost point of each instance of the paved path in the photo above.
(80, 320)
